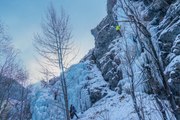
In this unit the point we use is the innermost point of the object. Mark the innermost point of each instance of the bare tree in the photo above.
(11, 71)
(55, 46)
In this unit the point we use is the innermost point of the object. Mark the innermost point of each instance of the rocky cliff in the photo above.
(101, 85)
(104, 34)
(162, 21)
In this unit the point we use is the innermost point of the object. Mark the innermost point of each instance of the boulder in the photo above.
(96, 94)
(114, 82)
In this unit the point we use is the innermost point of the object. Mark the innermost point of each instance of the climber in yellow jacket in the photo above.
(118, 28)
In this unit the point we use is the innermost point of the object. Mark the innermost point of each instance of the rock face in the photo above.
(173, 68)
(109, 66)
(104, 34)
(176, 46)
(164, 16)
(169, 41)
(169, 28)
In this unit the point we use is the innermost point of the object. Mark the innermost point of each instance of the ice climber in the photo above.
(73, 112)
(118, 27)
(55, 95)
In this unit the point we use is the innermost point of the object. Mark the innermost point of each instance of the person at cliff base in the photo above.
(73, 112)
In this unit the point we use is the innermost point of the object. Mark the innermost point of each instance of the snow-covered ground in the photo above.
(120, 107)
(85, 77)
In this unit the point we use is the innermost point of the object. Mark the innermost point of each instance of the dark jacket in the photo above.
(72, 109)
(73, 112)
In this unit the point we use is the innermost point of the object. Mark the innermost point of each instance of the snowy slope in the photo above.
(120, 107)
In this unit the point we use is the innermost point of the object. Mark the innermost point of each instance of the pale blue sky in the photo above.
(23, 19)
